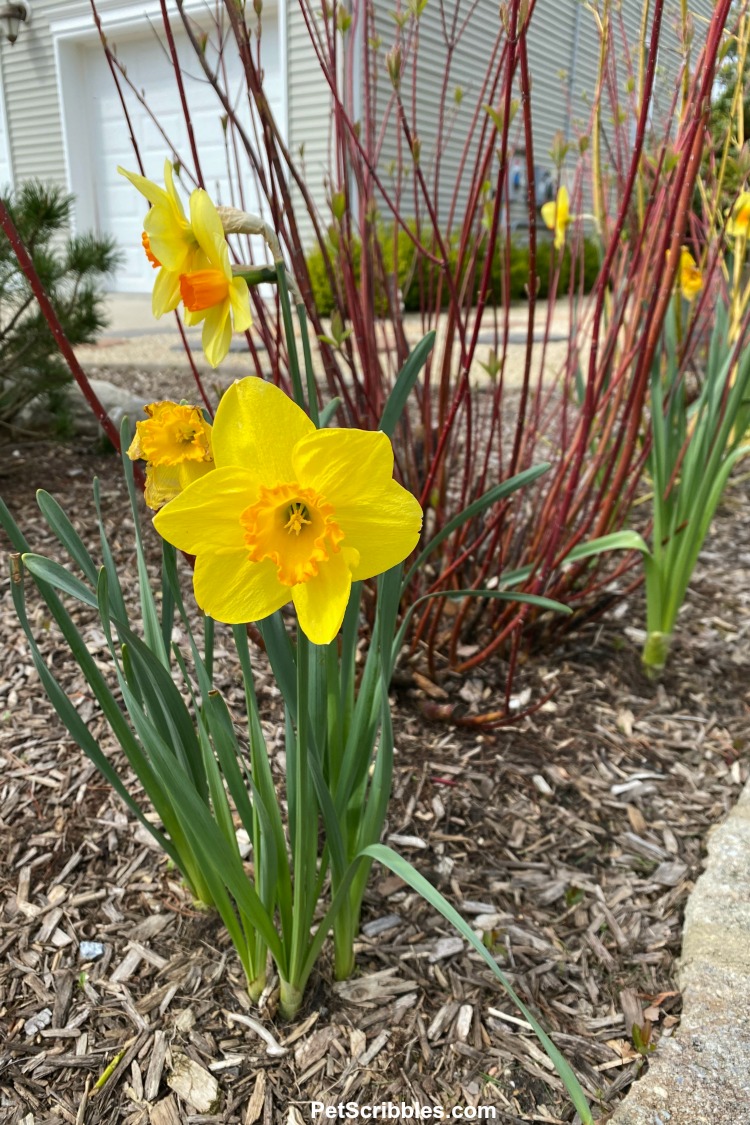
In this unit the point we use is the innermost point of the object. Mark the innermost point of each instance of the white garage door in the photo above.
(119, 208)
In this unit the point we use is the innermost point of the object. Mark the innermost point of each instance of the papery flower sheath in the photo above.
(556, 215)
(175, 443)
(290, 513)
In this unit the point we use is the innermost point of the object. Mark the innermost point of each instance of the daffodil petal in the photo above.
(190, 471)
(217, 333)
(563, 206)
(346, 466)
(384, 532)
(193, 318)
(206, 224)
(321, 601)
(206, 516)
(151, 191)
(239, 296)
(231, 588)
(258, 426)
(166, 294)
(549, 210)
(171, 189)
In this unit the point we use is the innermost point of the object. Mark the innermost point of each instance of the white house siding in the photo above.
(467, 70)
(309, 117)
(36, 145)
(6, 168)
(31, 99)
(563, 48)
(67, 124)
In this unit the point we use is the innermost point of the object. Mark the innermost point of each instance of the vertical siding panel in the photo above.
(309, 113)
(31, 100)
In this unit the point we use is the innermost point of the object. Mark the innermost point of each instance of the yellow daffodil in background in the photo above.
(738, 222)
(209, 290)
(168, 239)
(290, 513)
(175, 443)
(193, 262)
(691, 278)
(557, 216)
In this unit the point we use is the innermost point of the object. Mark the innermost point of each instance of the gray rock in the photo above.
(117, 401)
(701, 1076)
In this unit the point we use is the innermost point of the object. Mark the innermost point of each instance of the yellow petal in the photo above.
(321, 601)
(258, 426)
(239, 296)
(230, 588)
(152, 192)
(171, 188)
(353, 469)
(549, 211)
(165, 482)
(384, 533)
(563, 207)
(345, 466)
(206, 516)
(206, 224)
(166, 294)
(217, 333)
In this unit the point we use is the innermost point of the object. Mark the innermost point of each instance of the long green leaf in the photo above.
(410, 875)
(60, 524)
(405, 380)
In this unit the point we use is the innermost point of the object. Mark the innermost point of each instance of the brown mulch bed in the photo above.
(571, 840)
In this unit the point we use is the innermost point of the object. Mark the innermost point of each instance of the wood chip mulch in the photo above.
(570, 840)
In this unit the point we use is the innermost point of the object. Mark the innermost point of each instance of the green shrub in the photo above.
(71, 271)
(417, 276)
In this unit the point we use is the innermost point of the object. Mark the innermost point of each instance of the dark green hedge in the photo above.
(413, 275)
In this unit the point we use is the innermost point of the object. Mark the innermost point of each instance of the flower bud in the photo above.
(394, 61)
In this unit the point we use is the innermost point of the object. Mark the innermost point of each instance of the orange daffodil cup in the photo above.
(192, 257)
(289, 513)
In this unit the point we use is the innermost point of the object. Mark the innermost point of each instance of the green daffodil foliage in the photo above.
(283, 519)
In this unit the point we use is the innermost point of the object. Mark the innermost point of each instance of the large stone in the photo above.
(702, 1075)
(78, 415)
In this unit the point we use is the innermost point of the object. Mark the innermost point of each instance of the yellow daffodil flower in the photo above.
(691, 278)
(175, 443)
(210, 291)
(557, 216)
(290, 513)
(168, 239)
(738, 222)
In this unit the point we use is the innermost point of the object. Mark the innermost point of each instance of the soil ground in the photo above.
(571, 840)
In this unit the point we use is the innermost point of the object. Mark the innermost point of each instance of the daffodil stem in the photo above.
(302, 809)
(290, 999)
(291, 343)
(655, 653)
(312, 389)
